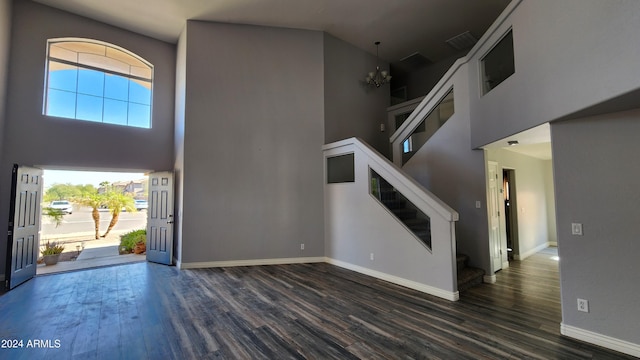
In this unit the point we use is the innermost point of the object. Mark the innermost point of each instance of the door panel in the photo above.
(160, 218)
(24, 225)
(494, 217)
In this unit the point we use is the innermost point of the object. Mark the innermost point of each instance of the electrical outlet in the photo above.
(371, 256)
(301, 246)
(583, 305)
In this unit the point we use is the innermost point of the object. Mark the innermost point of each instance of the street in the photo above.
(81, 221)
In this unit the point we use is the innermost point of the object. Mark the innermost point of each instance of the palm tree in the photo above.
(117, 201)
(94, 201)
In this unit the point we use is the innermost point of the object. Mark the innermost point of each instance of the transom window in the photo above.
(96, 81)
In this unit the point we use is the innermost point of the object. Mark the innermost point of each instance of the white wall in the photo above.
(550, 197)
(596, 168)
(534, 194)
(569, 55)
(178, 142)
(31, 138)
(351, 106)
(254, 127)
(357, 225)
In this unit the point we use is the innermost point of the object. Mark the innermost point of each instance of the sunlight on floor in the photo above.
(556, 258)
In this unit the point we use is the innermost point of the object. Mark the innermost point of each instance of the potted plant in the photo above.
(133, 242)
(51, 253)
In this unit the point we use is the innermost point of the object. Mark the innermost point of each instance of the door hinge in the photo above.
(9, 233)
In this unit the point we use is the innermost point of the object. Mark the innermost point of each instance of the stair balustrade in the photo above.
(382, 222)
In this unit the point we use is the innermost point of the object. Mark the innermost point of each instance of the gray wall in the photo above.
(254, 127)
(569, 55)
(31, 138)
(5, 37)
(420, 82)
(596, 168)
(351, 106)
(450, 169)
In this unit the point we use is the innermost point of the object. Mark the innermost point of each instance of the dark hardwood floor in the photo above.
(307, 311)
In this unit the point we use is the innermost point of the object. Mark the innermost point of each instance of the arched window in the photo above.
(96, 81)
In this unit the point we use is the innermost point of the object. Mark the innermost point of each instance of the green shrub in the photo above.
(130, 239)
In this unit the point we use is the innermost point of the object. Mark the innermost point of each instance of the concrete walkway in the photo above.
(96, 253)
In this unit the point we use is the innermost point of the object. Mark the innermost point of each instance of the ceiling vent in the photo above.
(414, 62)
(463, 41)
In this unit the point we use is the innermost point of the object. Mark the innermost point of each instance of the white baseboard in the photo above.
(600, 340)
(256, 262)
(489, 279)
(448, 295)
(530, 252)
(553, 243)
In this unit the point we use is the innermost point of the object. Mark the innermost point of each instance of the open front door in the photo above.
(160, 218)
(24, 225)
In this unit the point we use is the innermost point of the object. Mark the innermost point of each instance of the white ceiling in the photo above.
(403, 26)
(535, 142)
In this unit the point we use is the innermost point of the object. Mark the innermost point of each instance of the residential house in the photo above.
(249, 108)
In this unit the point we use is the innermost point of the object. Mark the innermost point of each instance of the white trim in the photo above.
(425, 200)
(254, 262)
(600, 340)
(528, 253)
(490, 279)
(448, 295)
(505, 264)
(553, 243)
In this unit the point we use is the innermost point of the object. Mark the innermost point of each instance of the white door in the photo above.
(24, 225)
(160, 218)
(494, 216)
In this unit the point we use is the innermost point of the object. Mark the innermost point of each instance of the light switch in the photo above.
(478, 204)
(576, 229)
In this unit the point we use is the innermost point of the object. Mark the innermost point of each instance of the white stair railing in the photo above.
(362, 235)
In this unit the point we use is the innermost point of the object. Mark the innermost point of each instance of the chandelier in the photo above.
(378, 77)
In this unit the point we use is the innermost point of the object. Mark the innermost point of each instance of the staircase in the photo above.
(467, 276)
(417, 223)
(420, 225)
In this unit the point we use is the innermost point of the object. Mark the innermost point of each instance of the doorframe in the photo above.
(502, 239)
(512, 231)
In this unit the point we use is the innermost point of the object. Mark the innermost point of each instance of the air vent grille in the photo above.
(463, 41)
(415, 61)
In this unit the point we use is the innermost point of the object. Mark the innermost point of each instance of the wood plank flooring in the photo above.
(305, 311)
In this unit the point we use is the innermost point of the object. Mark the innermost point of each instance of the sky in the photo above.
(92, 95)
(86, 177)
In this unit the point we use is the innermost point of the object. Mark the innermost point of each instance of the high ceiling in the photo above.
(403, 26)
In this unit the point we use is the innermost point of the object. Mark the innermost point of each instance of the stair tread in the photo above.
(469, 277)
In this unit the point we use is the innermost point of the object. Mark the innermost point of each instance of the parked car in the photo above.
(142, 205)
(63, 205)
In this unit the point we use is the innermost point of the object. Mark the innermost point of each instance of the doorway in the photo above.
(510, 211)
(94, 217)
